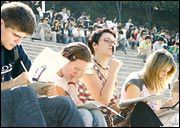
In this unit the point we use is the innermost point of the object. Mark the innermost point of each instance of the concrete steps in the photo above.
(130, 60)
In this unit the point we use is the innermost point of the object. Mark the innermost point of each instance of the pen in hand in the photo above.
(23, 66)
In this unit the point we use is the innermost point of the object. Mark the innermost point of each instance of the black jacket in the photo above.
(10, 62)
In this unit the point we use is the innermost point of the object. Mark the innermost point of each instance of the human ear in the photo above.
(94, 45)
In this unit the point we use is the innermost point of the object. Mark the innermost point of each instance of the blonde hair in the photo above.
(155, 63)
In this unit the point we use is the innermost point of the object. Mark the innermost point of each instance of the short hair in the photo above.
(76, 50)
(120, 32)
(95, 36)
(90, 28)
(143, 32)
(147, 37)
(79, 25)
(71, 19)
(18, 16)
(177, 43)
(46, 18)
(157, 61)
(161, 39)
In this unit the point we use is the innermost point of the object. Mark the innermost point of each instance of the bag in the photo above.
(109, 120)
(144, 116)
(126, 113)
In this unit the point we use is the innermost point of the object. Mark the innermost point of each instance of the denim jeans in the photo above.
(92, 118)
(19, 107)
(60, 111)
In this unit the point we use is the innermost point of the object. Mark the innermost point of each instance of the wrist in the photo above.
(72, 84)
(14, 83)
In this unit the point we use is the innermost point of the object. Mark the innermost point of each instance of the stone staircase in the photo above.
(130, 60)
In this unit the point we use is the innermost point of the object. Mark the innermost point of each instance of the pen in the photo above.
(23, 66)
(68, 95)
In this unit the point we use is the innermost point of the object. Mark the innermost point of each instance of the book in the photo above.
(43, 71)
(38, 85)
(97, 105)
(168, 111)
(149, 98)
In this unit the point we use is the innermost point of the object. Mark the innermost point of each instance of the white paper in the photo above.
(144, 99)
(45, 67)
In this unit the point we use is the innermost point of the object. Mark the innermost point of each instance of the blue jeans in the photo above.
(60, 111)
(92, 118)
(19, 107)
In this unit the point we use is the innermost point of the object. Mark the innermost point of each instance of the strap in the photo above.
(171, 107)
(16, 53)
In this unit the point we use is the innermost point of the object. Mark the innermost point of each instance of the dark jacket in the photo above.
(10, 62)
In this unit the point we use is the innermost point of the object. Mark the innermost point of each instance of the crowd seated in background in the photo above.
(44, 32)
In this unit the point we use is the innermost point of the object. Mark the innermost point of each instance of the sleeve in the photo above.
(141, 44)
(137, 82)
(154, 46)
(38, 28)
(18, 69)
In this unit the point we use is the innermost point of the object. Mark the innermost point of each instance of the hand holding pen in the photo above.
(22, 79)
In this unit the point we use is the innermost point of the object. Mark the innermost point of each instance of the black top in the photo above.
(134, 78)
(10, 62)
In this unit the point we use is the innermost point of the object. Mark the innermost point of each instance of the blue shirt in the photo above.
(10, 62)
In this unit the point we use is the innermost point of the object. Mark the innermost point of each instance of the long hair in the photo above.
(155, 63)
(76, 50)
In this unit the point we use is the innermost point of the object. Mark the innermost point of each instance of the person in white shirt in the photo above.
(159, 44)
(128, 24)
(64, 14)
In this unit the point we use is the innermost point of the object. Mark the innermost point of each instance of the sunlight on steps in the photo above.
(130, 61)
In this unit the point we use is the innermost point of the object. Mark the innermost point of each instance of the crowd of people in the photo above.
(63, 27)
(87, 43)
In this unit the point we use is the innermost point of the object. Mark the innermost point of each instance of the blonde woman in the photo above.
(154, 78)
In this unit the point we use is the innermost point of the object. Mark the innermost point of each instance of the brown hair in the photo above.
(77, 50)
(95, 36)
(19, 17)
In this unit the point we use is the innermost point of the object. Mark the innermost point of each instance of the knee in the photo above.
(86, 117)
(86, 114)
(25, 91)
(65, 102)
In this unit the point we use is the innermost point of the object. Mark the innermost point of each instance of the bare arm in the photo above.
(22, 79)
(132, 91)
(95, 88)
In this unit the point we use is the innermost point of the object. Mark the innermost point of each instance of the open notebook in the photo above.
(144, 99)
(44, 69)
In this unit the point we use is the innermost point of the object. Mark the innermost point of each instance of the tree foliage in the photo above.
(139, 11)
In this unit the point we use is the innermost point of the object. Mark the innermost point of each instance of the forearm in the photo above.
(73, 93)
(22, 79)
(8, 85)
(109, 87)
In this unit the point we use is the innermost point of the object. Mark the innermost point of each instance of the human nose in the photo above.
(18, 40)
(165, 75)
(110, 42)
